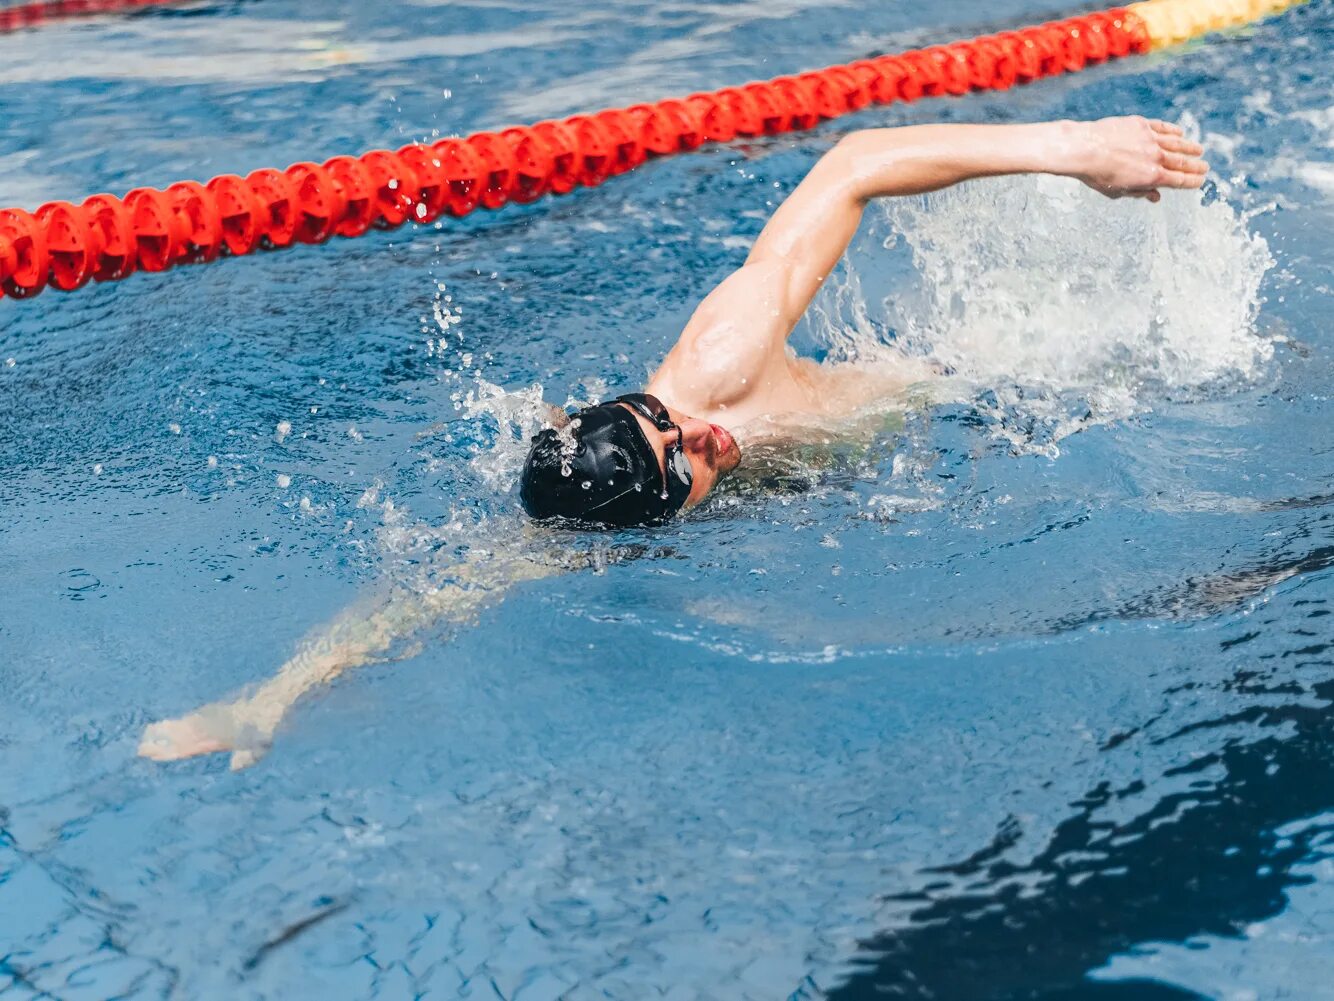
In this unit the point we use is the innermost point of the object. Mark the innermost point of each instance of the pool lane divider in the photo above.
(107, 238)
(39, 12)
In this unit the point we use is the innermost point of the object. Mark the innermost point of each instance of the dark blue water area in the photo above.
(977, 708)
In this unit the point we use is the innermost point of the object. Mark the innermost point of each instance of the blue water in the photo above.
(1028, 696)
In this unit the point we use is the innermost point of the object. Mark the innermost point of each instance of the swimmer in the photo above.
(643, 458)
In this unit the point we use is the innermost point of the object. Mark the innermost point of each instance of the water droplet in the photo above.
(587, 484)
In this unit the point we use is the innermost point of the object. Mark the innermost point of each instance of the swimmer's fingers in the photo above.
(245, 758)
(1187, 174)
(1179, 144)
(1179, 157)
(1183, 163)
(174, 739)
(1165, 128)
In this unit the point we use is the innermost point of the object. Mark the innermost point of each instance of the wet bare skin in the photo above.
(732, 366)
(732, 369)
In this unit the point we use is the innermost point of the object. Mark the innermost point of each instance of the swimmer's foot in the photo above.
(210, 731)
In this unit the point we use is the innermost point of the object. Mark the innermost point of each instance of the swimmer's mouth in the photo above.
(724, 439)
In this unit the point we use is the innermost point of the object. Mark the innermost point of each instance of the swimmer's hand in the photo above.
(216, 729)
(1134, 157)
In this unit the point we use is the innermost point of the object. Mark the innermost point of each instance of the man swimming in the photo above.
(645, 457)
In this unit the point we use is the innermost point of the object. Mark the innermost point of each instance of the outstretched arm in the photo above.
(243, 727)
(810, 231)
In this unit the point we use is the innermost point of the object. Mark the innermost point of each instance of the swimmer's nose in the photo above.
(696, 434)
(698, 438)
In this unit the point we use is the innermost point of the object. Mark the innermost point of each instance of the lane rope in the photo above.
(106, 238)
(39, 12)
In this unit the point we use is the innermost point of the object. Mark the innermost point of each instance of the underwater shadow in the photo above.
(1207, 860)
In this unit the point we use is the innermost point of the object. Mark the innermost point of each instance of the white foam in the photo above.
(1042, 282)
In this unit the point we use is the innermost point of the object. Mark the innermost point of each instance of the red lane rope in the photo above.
(30, 15)
(108, 238)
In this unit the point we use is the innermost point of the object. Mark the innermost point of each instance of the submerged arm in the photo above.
(244, 727)
(810, 231)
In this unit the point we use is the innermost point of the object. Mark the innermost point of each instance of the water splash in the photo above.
(1076, 310)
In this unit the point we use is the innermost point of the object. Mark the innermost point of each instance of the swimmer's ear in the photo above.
(555, 417)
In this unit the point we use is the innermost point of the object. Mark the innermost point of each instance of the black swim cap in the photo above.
(601, 470)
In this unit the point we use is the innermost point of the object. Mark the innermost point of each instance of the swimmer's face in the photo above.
(712, 451)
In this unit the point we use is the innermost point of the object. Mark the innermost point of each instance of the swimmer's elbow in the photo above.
(850, 172)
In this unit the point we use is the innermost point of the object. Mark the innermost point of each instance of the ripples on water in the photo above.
(1023, 692)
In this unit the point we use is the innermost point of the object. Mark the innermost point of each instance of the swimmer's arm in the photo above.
(363, 634)
(244, 727)
(811, 230)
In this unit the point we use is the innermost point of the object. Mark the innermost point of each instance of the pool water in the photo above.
(1026, 693)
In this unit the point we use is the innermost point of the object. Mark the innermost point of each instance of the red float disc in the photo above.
(993, 63)
(352, 182)
(773, 118)
(685, 122)
(1046, 46)
(498, 165)
(855, 94)
(1097, 37)
(1128, 32)
(877, 84)
(595, 147)
(826, 100)
(199, 218)
(158, 233)
(1071, 54)
(655, 128)
(9, 257)
(118, 250)
(532, 164)
(715, 117)
(432, 189)
(394, 186)
(72, 243)
(901, 78)
(464, 175)
(276, 197)
(238, 213)
(1027, 60)
(563, 147)
(27, 276)
(980, 62)
(929, 72)
(795, 97)
(1114, 29)
(745, 113)
(1138, 32)
(953, 63)
(319, 202)
(624, 133)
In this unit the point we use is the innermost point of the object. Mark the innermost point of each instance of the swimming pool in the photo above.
(1030, 698)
